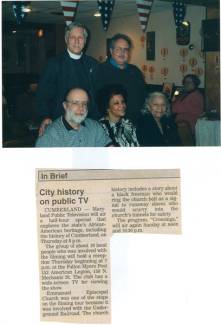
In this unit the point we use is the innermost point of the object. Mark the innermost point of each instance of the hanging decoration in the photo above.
(198, 71)
(183, 68)
(164, 72)
(151, 70)
(179, 12)
(202, 55)
(69, 10)
(183, 53)
(164, 52)
(142, 40)
(144, 10)
(101, 58)
(144, 70)
(105, 7)
(18, 7)
(182, 27)
(217, 62)
(193, 63)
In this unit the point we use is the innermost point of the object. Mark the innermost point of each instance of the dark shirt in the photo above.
(60, 75)
(149, 134)
(130, 78)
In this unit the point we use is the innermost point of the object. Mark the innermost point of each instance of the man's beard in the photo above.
(71, 117)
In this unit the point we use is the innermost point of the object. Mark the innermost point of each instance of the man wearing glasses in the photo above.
(74, 129)
(117, 70)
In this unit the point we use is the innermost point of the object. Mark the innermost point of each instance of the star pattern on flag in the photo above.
(105, 8)
(179, 12)
(144, 9)
(69, 10)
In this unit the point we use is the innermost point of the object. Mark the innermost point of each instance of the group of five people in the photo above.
(82, 103)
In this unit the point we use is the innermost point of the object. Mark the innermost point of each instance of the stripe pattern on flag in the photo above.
(69, 10)
(105, 8)
(144, 9)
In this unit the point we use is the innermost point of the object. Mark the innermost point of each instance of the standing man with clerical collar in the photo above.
(74, 129)
(117, 70)
(68, 70)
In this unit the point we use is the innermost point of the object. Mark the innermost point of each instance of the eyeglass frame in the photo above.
(77, 103)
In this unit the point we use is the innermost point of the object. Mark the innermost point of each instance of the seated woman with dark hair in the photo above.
(188, 106)
(120, 129)
(155, 127)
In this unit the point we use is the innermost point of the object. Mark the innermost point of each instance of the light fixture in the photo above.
(14, 32)
(97, 14)
(26, 7)
(176, 93)
(185, 23)
(191, 47)
(40, 33)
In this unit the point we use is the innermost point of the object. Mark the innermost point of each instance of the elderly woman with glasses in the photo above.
(155, 127)
(113, 103)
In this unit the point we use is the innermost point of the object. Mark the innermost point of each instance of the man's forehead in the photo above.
(121, 40)
(78, 94)
(77, 30)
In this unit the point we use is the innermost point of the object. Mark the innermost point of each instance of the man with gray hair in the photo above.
(70, 69)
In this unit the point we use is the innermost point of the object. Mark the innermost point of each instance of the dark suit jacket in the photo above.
(61, 74)
(131, 79)
(149, 134)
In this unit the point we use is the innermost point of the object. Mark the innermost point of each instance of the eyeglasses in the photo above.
(158, 105)
(77, 103)
(121, 49)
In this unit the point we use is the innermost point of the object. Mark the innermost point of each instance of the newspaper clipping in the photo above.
(78, 212)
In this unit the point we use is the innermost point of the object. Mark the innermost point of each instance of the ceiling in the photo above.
(51, 12)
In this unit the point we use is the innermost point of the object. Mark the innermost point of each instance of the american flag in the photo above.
(179, 12)
(17, 7)
(69, 10)
(105, 7)
(144, 9)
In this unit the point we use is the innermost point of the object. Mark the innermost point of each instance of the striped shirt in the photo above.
(61, 134)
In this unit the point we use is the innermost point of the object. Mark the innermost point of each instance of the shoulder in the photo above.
(90, 60)
(54, 63)
(58, 58)
(103, 121)
(145, 118)
(92, 123)
(135, 73)
(127, 122)
(52, 135)
(197, 93)
(167, 120)
(56, 126)
(106, 66)
(134, 69)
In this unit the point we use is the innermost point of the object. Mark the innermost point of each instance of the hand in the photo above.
(43, 126)
(174, 98)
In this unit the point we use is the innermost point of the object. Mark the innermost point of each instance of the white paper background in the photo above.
(156, 279)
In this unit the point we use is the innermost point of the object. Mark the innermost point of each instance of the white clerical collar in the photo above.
(74, 56)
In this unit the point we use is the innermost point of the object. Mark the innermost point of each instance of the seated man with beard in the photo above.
(74, 129)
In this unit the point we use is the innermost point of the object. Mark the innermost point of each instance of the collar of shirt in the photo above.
(74, 56)
(115, 64)
(68, 127)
